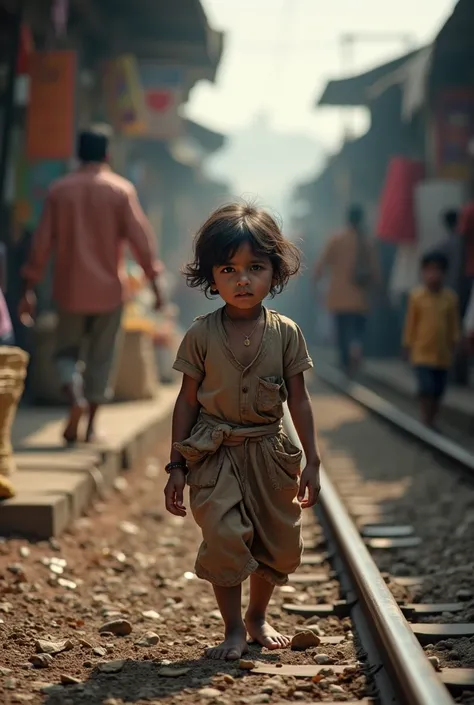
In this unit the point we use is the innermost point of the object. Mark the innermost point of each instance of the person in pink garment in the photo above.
(89, 216)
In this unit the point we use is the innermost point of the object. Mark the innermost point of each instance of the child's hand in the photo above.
(174, 493)
(309, 481)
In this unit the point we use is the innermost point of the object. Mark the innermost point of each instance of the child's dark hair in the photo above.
(92, 146)
(437, 258)
(227, 229)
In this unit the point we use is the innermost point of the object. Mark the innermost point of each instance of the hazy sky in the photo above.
(280, 53)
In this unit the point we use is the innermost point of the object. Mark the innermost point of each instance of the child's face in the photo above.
(246, 280)
(432, 275)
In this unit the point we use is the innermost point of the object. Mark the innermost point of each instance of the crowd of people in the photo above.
(92, 213)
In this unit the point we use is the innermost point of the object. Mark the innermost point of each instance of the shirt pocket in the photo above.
(203, 469)
(283, 463)
(271, 394)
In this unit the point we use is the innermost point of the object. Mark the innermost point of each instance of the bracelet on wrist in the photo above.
(176, 465)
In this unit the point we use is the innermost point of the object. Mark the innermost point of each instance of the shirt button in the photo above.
(245, 390)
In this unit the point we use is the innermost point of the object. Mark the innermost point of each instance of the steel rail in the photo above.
(403, 657)
(389, 412)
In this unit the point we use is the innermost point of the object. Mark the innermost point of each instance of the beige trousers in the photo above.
(243, 487)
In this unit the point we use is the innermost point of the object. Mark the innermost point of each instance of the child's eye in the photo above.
(256, 267)
(227, 270)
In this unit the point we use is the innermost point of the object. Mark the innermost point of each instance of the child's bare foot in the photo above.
(232, 648)
(264, 634)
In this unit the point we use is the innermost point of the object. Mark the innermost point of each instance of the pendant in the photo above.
(247, 342)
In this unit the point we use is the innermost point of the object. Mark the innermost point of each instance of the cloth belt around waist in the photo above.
(229, 435)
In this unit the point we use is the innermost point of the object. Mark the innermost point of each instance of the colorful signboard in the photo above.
(124, 96)
(454, 126)
(50, 123)
(163, 91)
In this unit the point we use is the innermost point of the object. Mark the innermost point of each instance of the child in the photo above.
(431, 333)
(240, 364)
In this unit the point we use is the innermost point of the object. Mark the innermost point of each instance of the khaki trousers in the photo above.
(243, 488)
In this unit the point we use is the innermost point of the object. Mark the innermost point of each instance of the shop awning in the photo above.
(453, 54)
(412, 76)
(354, 90)
(169, 30)
(458, 30)
(153, 29)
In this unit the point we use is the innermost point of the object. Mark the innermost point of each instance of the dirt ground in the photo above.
(130, 561)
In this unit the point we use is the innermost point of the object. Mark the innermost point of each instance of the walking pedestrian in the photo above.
(431, 332)
(453, 246)
(240, 364)
(89, 216)
(351, 261)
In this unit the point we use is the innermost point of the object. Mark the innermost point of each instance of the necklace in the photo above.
(246, 337)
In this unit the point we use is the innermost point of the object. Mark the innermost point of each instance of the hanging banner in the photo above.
(50, 122)
(163, 91)
(454, 121)
(396, 217)
(124, 96)
(25, 50)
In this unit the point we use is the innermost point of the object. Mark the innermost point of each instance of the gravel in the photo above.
(130, 621)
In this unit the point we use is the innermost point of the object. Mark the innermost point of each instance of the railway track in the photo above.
(462, 458)
(398, 636)
(364, 633)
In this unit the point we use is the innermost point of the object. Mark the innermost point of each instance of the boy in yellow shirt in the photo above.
(432, 329)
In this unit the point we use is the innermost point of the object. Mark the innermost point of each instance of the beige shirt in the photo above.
(339, 259)
(239, 395)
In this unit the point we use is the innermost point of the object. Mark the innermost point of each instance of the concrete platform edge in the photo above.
(43, 516)
(451, 412)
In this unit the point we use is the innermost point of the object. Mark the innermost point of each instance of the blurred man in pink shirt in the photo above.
(89, 216)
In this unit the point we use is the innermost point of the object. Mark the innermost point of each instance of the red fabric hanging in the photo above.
(25, 50)
(396, 222)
